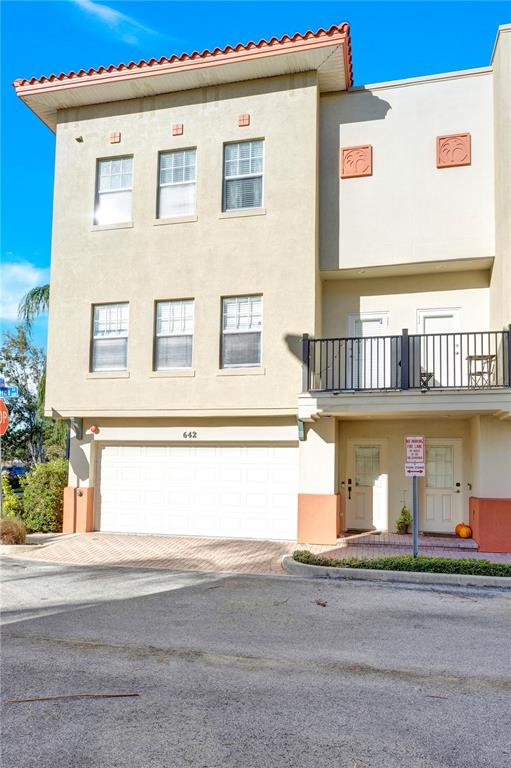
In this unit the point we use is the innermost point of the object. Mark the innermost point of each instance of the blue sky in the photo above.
(390, 41)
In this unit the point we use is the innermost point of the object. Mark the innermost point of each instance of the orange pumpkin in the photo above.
(457, 529)
(465, 532)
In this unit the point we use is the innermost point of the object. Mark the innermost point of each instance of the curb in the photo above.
(408, 577)
(11, 549)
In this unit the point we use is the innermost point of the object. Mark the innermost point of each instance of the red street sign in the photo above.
(4, 418)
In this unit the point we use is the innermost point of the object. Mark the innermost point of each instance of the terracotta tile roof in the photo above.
(206, 56)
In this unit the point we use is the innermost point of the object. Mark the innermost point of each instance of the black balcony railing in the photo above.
(470, 361)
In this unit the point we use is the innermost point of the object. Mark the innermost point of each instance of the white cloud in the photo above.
(18, 277)
(128, 28)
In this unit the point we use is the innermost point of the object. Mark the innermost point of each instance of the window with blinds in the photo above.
(242, 324)
(177, 183)
(110, 337)
(174, 334)
(243, 175)
(114, 187)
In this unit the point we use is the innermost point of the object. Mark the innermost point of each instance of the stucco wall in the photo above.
(408, 210)
(402, 297)
(273, 254)
(491, 457)
(501, 276)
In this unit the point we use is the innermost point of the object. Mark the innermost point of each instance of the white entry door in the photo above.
(442, 486)
(239, 491)
(366, 487)
(367, 354)
(439, 353)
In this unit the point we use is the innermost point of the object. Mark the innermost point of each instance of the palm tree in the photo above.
(33, 304)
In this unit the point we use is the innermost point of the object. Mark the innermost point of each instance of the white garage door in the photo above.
(217, 490)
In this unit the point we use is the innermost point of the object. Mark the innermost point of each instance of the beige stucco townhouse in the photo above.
(263, 279)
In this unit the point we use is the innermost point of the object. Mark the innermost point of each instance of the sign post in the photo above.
(415, 467)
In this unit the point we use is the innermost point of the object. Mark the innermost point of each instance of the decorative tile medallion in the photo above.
(243, 120)
(115, 137)
(356, 161)
(177, 129)
(453, 150)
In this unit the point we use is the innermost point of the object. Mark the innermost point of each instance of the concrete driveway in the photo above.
(191, 553)
(245, 671)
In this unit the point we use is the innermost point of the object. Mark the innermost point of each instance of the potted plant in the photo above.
(404, 520)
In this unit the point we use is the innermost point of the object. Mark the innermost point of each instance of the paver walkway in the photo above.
(194, 553)
(190, 553)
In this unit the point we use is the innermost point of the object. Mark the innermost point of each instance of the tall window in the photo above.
(114, 185)
(242, 324)
(110, 337)
(243, 175)
(177, 183)
(174, 334)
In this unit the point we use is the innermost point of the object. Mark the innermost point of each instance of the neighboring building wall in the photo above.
(501, 276)
(408, 210)
(402, 297)
(491, 458)
(273, 254)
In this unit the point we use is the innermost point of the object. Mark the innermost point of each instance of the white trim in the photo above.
(422, 79)
(421, 314)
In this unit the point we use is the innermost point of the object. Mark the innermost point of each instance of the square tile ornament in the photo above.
(356, 161)
(452, 151)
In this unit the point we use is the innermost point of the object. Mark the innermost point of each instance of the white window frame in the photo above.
(241, 330)
(242, 176)
(99, 194)
(101, 337)
(158, 335)
(175, 183)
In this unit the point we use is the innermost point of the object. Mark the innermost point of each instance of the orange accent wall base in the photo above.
(78, 510)
(319, 518)
(490, 520)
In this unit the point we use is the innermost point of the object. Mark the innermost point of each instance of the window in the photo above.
(174, 334)
(110, 337)
(114, 186)
(439, 466)
(243, 175)
(177, 183)
(241, 331)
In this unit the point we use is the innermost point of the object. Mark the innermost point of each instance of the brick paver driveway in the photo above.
(191, 553)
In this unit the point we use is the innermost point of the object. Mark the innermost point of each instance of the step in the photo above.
(405, 540)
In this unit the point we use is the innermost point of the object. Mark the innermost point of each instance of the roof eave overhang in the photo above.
(326, 52)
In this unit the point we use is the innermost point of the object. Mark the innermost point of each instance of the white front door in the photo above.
(366, 487)
(442, 508)
(368, 369)
(440, 349)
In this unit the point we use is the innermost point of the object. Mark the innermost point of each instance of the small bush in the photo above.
(12, 531)
(43, 496)
(11, 502)
(424, 564)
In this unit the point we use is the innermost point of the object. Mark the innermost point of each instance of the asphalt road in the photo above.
(250, 672)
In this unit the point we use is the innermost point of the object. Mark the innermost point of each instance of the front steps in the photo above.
(385, 539)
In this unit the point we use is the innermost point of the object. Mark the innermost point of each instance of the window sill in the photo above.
(174, 373)
(108, 375)
(103, 227)
(175, 220)
(248, 371)
(242, 212)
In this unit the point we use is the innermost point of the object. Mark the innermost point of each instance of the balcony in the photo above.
(471, 361)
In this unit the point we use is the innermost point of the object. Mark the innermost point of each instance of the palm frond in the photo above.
(34, 303)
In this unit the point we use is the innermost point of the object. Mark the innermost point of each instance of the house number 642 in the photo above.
(189, 435)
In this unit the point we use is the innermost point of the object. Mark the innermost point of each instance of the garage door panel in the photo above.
(235, 491)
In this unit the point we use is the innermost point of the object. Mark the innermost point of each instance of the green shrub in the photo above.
(43, 496)
(11, 502)
(12, 531)
(424, 564)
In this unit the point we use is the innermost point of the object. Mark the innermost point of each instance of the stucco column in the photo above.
(490, 502)
(318, 500)
(79, 495)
